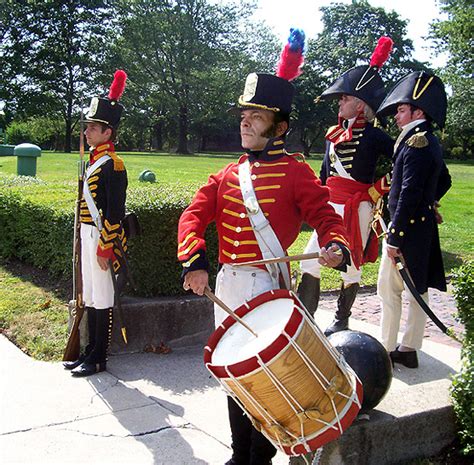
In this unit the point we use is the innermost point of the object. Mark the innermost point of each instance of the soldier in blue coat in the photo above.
(419, 179)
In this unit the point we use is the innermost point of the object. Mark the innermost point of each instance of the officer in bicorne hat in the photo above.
(102, 209)
(353, 148)
(284, 193)
(419, 179)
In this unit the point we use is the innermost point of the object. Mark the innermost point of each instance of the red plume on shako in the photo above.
(108, 110)
(118, 85)
(275, 93)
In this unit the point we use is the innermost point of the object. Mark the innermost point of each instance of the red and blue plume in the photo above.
(291, 58)
(118, 85)
(381, 52)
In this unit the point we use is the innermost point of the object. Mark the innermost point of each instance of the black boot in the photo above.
(97, 358)
(344, 305)
(308, 292)
(91, 327)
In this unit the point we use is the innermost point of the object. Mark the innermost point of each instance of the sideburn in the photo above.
(271, 132)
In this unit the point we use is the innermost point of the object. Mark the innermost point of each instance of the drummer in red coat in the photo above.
(284, 192)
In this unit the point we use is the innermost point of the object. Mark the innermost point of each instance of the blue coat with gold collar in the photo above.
(419, 178)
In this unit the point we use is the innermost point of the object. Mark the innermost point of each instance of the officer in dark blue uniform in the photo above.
(419, 179)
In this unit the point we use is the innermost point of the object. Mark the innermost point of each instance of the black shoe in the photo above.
(73, 364)
(87, 369)
(337, 325)
(408, 359)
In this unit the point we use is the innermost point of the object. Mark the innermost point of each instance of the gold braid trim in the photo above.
(118, 162)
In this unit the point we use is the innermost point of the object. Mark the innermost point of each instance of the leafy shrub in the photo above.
(36, 226)
(462, 390)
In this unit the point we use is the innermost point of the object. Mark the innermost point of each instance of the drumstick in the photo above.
(216, 300)
(290, 258)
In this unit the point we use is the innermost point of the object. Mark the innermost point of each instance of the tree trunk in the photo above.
(183, 130)
(157, 137)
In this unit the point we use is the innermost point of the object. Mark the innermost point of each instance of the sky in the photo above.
(280, 15)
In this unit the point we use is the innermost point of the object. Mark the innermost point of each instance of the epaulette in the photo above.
(418, 140)
(332, 128)
(297, 156)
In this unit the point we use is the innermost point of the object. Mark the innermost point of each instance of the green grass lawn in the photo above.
(33, 308)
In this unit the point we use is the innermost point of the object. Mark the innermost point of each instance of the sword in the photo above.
(403, 270)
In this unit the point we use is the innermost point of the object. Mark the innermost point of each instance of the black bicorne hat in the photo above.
(422, 90)
(363, 82)
(108, 110)
(275, 93)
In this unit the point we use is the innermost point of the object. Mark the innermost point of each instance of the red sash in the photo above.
(351, 193)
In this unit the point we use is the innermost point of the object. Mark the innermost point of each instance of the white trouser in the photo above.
(390, 286)
(352, 275)
(235, 285)
(97, 286)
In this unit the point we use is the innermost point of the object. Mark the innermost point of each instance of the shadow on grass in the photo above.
(61, 288)
(451, 260)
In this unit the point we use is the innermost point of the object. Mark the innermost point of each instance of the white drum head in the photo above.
(267, 320)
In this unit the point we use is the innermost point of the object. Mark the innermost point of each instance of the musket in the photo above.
(72, 350)
(402, 269)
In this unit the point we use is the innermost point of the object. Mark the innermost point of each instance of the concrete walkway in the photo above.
(167, 410)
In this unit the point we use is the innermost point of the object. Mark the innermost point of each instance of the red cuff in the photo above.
(107, 253)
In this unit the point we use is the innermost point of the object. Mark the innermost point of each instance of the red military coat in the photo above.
(289, 193)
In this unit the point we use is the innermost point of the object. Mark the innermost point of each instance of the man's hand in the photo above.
(331, 257)
(197, 281)
(103, 263)
(393, 252)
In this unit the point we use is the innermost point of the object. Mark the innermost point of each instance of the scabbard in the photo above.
(411, 286)
(118, 304)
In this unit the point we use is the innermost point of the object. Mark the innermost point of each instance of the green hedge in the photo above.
(462, 391)
(36, 226)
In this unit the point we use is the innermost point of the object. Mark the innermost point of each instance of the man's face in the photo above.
(405, 115)
(95, 136)
(349, 106)
(254, 127)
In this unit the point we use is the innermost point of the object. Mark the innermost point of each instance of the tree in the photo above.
(49, 54)
(455, 35)
(182, 54)
(349, 36)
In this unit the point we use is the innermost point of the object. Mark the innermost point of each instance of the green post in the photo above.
(26, 159)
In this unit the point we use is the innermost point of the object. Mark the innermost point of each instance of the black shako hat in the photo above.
(108, 110)
(363, 82)
(275, 92)
(422, 90)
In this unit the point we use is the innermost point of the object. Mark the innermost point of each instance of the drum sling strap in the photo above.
(94, 211)
(267, 240)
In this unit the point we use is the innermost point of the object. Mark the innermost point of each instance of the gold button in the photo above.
(242, 215)
(256, 164)
(238, 229)
(401, 233)
(392, 230)
(412, 221)
(254, 177)
(423, 218)
(233, 256)
(236, 243)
